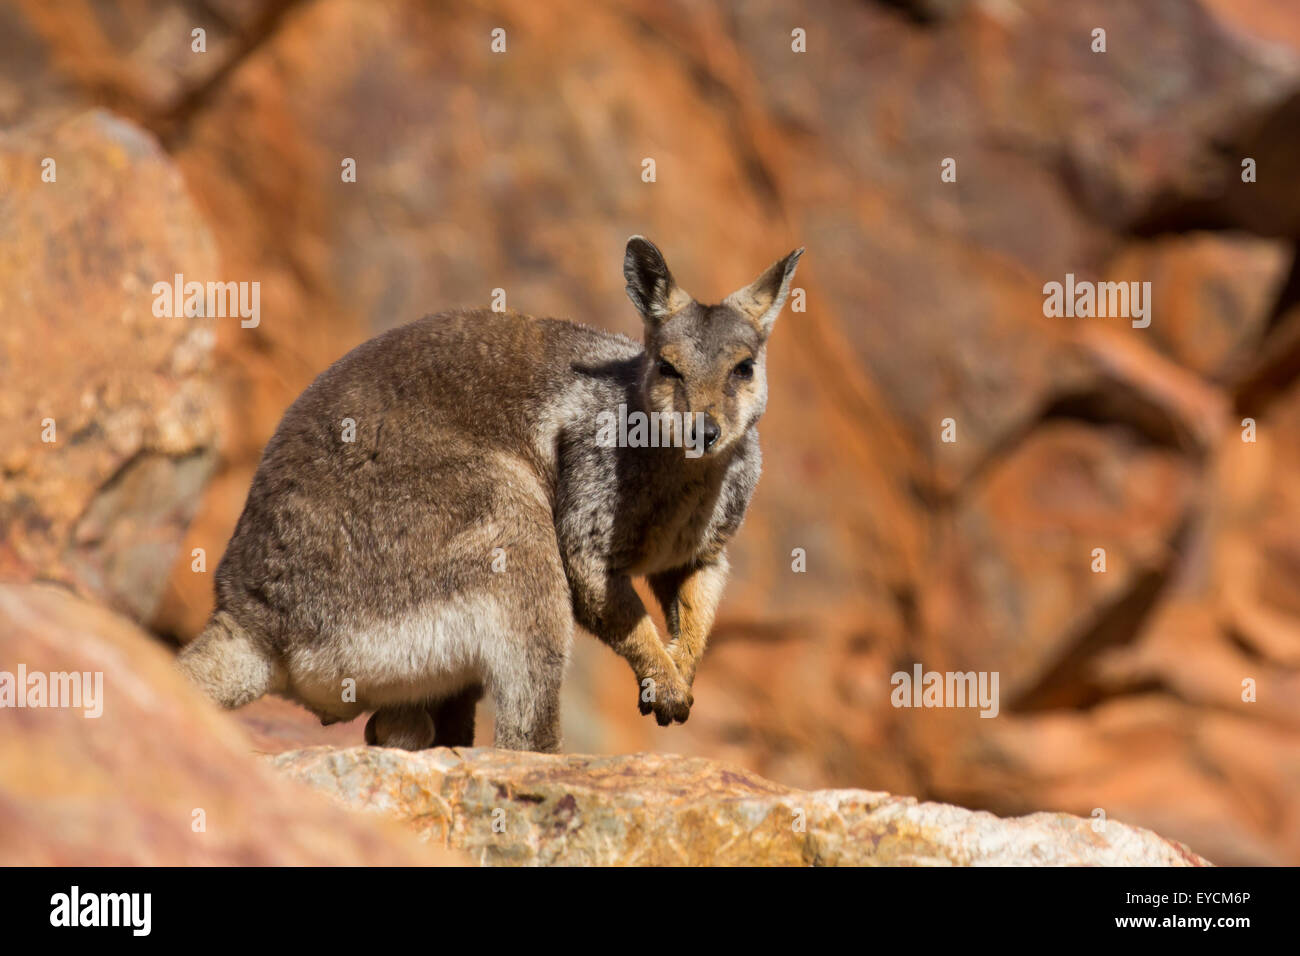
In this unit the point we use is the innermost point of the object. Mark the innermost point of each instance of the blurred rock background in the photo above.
(1121, 691)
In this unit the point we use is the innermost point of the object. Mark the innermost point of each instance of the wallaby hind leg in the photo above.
(228, 664)
(528, 709)
(404, 726)
(526, 667)
(453, 718)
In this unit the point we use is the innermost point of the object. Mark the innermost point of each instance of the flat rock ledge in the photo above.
(506, 808)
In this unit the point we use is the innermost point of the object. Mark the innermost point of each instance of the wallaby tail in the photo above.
(228, 664)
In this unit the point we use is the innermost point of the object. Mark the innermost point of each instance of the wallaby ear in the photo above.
(650, 285)
(762, 299)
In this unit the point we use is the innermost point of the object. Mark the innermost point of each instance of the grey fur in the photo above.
(376, 561)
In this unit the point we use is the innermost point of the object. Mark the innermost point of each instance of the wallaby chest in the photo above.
(678, 515)
(674, 531)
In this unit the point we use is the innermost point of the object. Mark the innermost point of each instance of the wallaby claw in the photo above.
(671, 702)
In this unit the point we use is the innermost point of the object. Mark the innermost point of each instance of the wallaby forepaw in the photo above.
(684, 661)
(674, 710)
(668, 699)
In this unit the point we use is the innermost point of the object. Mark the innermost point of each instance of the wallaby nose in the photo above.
(712, 432)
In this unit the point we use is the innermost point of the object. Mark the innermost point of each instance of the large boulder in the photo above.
(658, 810)
(142, 770)
(107, 415)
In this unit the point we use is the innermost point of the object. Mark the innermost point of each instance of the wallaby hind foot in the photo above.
(228, 664)
(405, 727)
(445, 723)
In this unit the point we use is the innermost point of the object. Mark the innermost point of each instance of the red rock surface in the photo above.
(126, 787)
(107, 412)
(1120, 692)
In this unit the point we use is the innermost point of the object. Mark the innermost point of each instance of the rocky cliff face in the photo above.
(1122, 690)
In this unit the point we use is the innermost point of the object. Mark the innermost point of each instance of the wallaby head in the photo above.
(705, 359)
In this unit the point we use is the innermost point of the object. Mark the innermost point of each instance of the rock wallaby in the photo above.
(442, 505)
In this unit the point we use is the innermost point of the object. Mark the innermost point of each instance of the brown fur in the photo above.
(436, 512)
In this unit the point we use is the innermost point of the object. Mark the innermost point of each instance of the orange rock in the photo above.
(106, 412)
(160, 778)
(656, 810)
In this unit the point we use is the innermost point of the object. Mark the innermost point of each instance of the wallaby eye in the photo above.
(745, 369)
(667, 371)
